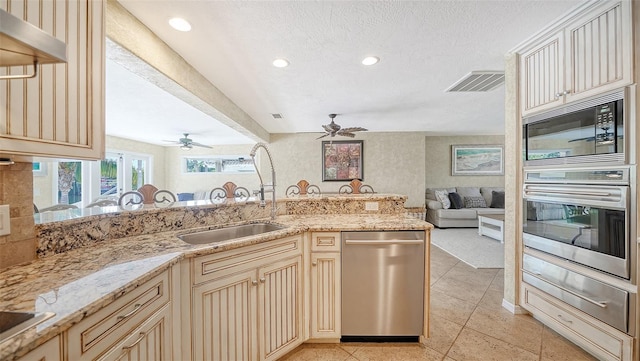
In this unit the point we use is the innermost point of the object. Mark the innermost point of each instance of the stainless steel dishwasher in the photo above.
(382, 285)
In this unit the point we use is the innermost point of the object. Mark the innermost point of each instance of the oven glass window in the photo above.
(597, 229)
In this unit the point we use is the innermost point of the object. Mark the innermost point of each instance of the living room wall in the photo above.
(438, 162)
(393, 162)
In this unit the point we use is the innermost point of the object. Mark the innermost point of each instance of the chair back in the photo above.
(58, 207)
(102, 203)
(147, 192)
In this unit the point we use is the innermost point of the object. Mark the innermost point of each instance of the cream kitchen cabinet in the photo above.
(542, 74)
(247, 303)
(591, 54)
(136, 324)
(151, 341)
(60, 112)
(325, 286)
(48, 351)
(600, 339)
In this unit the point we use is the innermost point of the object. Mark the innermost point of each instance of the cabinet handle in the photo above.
(254, 282)
(566, 92)
(558, 95)
(564, 319)
(314, 263)
(136, 308)
(125, 349)
(262, 280)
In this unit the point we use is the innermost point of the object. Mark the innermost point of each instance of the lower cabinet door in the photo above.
(325, 296)
(48, 351)
(280, 307)
(224, 318)
(151, 341)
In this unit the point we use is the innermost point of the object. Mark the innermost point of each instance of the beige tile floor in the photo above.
(467, 323)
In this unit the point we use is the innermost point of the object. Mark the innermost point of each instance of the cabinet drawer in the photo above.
(151, 341)
(98, 332)
(222, 264)
(49, 351)
(600, 339)
(325, 241)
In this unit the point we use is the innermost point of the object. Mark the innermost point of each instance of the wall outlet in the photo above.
(5, 220)
(370, 206)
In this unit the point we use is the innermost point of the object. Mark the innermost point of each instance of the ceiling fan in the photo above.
(332, 129)
(187, 143)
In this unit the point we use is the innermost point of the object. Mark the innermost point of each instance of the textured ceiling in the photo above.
(424, 47)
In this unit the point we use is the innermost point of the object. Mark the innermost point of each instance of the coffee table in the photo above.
(491, 225)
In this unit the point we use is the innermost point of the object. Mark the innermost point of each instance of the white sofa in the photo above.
(465, 217)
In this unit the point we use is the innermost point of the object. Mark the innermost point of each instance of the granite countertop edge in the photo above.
(118, 266)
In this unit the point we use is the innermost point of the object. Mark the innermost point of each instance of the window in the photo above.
(83, 182)
(109, 175)
(221, 164)
(69, 190)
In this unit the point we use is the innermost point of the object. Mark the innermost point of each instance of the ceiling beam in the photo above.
(138, 49)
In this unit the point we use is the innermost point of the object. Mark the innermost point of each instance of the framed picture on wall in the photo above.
(342, 160)
(482, 159)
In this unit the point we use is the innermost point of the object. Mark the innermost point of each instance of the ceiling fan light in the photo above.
(370, 60)
(180, 24)
(281, 63)
(186, 147)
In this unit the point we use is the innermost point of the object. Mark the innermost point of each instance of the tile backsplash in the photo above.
(16, 190)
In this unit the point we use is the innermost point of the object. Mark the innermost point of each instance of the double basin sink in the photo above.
(229, 233)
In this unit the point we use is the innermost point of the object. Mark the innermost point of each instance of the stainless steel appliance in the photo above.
(582, 215)
(591, 131)
(382, 285)
(609, 304)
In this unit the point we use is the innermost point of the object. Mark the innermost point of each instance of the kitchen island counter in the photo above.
(79, 282)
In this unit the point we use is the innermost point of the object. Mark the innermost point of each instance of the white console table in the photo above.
(491, 225)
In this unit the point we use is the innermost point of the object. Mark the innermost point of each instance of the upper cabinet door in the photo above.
(60, 112)
(590, 54)
(598, 49)
(542, 75)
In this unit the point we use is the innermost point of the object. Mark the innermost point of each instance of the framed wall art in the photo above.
(482, 159)
(342, 160)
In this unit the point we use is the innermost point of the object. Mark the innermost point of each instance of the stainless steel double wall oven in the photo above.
(579, 211)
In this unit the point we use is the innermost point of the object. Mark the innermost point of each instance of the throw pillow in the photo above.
(456, 201)
(443, 197)
(497, 199)
(475, 202)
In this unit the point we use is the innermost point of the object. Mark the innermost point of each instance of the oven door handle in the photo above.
(601, 304)
(564, 191)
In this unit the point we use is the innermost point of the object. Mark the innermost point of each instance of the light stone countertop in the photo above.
(79, 282)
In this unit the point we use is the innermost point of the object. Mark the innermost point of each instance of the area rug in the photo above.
(469, 247)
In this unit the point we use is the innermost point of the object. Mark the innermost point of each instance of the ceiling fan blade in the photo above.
(199, 145)
(353, 129)
(346, 134)
(322, 136)
(327, 128)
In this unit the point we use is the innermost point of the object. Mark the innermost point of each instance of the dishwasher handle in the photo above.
(362, 242)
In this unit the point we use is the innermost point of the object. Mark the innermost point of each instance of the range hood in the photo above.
(24, 44)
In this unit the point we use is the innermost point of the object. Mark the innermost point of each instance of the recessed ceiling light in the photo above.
(180, 24)
(370, 60)
(281, 63)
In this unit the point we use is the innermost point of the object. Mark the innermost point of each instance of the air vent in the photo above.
(276, 116)
(478, 81)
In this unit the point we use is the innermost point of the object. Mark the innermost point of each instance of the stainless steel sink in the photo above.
(14, 323)
(229, 233)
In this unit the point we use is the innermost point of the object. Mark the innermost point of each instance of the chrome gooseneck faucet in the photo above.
(262, 190)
